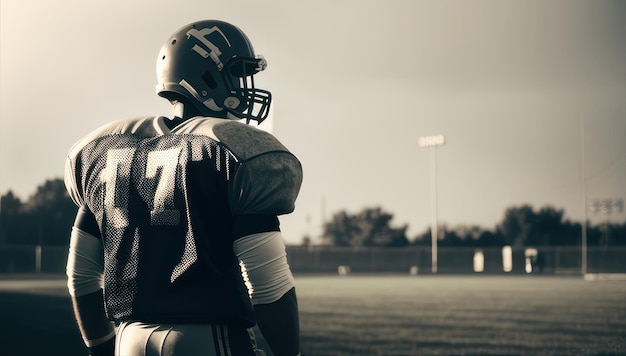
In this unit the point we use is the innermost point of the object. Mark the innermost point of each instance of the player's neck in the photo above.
(183, 111)
(187, 111)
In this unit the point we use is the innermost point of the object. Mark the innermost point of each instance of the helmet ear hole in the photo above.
(232, 102)
(209, 80)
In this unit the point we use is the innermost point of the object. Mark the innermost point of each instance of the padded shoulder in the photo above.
(147, 126)
(246, 141)
(268, 178)
(243, 141)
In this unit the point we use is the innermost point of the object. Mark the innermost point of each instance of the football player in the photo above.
(176, 247)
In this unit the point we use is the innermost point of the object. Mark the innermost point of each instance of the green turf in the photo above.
(384, 315)
(454, 315)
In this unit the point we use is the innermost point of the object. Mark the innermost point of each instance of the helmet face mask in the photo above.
(245, 100)
(212, 64)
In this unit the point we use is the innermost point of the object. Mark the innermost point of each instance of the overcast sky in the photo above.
(512, 85)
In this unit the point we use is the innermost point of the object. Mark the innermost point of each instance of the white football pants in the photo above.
(141, 339)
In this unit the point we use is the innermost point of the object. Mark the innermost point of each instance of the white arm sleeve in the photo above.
(85, 263)
(264, 266)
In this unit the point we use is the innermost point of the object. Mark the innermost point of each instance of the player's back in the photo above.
(165, 201)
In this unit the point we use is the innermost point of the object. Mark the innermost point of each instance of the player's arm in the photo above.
(273, 291)
(85, 266)
(278, 321)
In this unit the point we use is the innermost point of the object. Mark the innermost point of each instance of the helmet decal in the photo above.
(209, 103)
(211, 49)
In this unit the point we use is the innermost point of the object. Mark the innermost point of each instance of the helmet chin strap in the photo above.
(233, 103)
(179, 109)
(186, 111)
(209, 107)
(233, 117)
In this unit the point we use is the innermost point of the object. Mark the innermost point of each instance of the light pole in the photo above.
(583, 224)
(432, 142)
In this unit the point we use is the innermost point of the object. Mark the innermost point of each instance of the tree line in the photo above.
(520, 226)
(46, 217)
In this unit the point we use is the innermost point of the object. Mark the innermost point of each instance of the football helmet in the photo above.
(212, 65)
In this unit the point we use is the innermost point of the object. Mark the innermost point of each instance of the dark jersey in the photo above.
(168, 205)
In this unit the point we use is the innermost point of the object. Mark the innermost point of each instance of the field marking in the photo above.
(605, 276)
(31, 284)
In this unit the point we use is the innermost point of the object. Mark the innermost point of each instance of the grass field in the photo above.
(385, 315)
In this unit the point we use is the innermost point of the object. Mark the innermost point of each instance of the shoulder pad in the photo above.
(242, 140)
(269, 176)
(147, 126)
(246, 141)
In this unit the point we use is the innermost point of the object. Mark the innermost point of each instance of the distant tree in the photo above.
(10, 216)
(489, 239)
(567, 234)
(370, 227)
(10, 204)
(476, 236)
(44, 219)
(607, 234)
(523, 226)
(618, 234)
(422, 239)
(517, 225)
(548, 227)
(450, 238)
(53, 211)
(462, 236)
(307, 241)
(341, 230)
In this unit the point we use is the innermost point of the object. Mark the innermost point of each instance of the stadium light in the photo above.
(432, 142)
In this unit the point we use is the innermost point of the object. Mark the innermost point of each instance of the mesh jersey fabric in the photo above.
(165, 202)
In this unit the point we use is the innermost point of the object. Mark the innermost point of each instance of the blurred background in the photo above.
(529, 98)
(497, 126)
